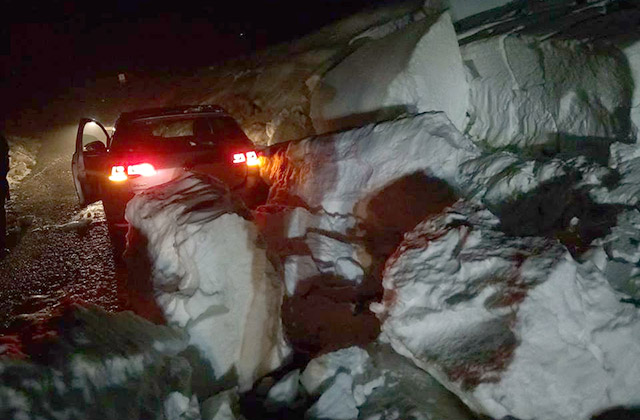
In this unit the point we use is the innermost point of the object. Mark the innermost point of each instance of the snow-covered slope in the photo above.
(209, 274)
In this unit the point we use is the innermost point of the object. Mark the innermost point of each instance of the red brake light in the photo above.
(121, 173)
(118, 174)
(250, 158)
(143, 169)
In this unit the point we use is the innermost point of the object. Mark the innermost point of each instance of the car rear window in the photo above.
(180, 132)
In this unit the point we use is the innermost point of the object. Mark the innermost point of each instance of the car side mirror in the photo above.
(95, 147)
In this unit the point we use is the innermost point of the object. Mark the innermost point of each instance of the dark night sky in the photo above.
(50, 45)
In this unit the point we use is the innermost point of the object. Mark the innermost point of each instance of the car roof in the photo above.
(170, 111)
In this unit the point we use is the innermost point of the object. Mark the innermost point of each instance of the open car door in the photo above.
(87, 164)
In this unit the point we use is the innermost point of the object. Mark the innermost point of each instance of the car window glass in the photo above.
(172, 128)
(92, 133)
(180, 132)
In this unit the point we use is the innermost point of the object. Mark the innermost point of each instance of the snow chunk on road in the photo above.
(557, 94)
(497, 319)
(223, 406)
(180, 407)
(210, 274)
(323, 368)
(286, 390)
(337, 401)
(421, 71)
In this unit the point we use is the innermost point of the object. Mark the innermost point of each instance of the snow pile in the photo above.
(22, 158)
(105, 366)
(560, 95)
(210, 275)
(421, 71)
(514, 326)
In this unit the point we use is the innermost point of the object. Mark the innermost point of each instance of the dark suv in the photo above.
(154, 146)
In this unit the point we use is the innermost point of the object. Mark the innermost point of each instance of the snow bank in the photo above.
(210, 274)
(106, 366)
(421, 71)
(514, 326)
(557, 94)
(22, 158)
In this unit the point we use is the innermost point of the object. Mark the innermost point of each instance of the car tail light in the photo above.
(118, 174)
(143, 169)
(121, 173)
(250, 158)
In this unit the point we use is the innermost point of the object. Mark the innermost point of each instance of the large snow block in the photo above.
(514, 326)
(337, 172)
(557, 94)
(632, 52)
(210, 275)
(421, 71)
